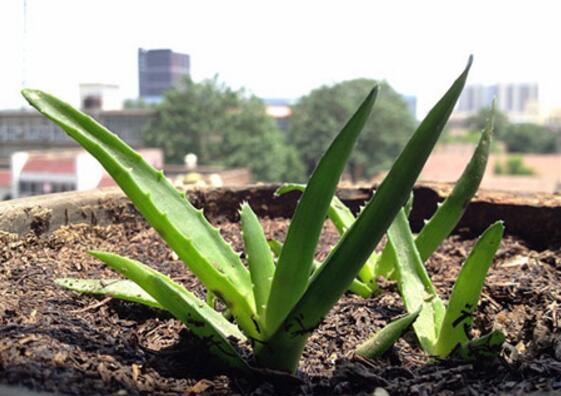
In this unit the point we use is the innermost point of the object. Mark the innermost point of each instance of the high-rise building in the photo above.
(513, 99)
(160, 70)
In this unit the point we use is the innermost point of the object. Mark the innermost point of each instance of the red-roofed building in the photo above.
(43, 172)
(5, 183)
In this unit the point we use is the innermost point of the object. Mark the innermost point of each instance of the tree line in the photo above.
(517, 137)
(230, 128)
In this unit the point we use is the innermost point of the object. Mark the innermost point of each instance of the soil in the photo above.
(56, 340)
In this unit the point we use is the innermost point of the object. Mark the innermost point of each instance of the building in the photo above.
(518, 101)
(160, 70)
(281, 110)
(49, 171)
(23, 130)
(97, 96)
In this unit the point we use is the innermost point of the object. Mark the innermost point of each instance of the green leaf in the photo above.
(259, 258)
(357, 287)
(483, 348)
(117, 288)
(451, 210)
(182, 226)
(382, 341)
(202, 320)
(345, 261)
(294, 264)
(411, 285)
(342, 218)
(467, 290)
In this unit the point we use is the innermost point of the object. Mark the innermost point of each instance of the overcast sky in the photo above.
(282, 48)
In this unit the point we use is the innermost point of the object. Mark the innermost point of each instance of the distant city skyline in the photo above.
(281, 51)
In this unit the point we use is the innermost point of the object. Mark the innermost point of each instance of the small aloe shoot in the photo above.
(443, 329)
(385, 338)
(274, 307)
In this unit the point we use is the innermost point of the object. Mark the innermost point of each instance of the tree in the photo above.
(529, 138)
(478, 121)
(222, 127)
(518, 138)
(323, 112)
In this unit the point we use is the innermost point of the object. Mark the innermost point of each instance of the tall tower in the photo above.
(160, 70)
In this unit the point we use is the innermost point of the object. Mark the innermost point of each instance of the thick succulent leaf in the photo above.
(180, 224)
(357, 287)
(467, 289)
(380, 342)
(259, 258)
(294, 264)
(122, 289)
(451, 210)
(347, 258)
(411, 286)
(342, 217)
(204, 322)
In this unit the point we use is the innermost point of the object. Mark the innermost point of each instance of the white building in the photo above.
(49, 171)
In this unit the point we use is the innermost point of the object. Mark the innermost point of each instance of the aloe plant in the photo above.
(439, 329)
(275, 304)
(442, 329)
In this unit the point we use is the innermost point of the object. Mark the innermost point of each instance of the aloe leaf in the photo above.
(331, 280)
(451, 210)
(180, 224)
(357, 287)
(382, 341)
(411, 286)
(259, 257)
(342, 218)
(203, 321)
(293, 266)
(482, 348)
(467, 290)
(385, 264)
(121, 289)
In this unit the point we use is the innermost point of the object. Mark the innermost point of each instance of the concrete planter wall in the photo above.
(535, 218)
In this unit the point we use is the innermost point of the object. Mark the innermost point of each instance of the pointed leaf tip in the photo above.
(31, 94)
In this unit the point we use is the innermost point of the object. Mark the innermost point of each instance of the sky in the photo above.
(282, 48)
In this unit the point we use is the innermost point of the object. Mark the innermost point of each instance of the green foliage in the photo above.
(222, 127)
(513, 165)
(529, 138)
(318, 115)
(518, 138)
(275, 316)
(478, 121)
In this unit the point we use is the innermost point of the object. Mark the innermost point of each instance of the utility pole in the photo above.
(24, 47)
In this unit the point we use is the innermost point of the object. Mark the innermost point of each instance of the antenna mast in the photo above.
(24, 47)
